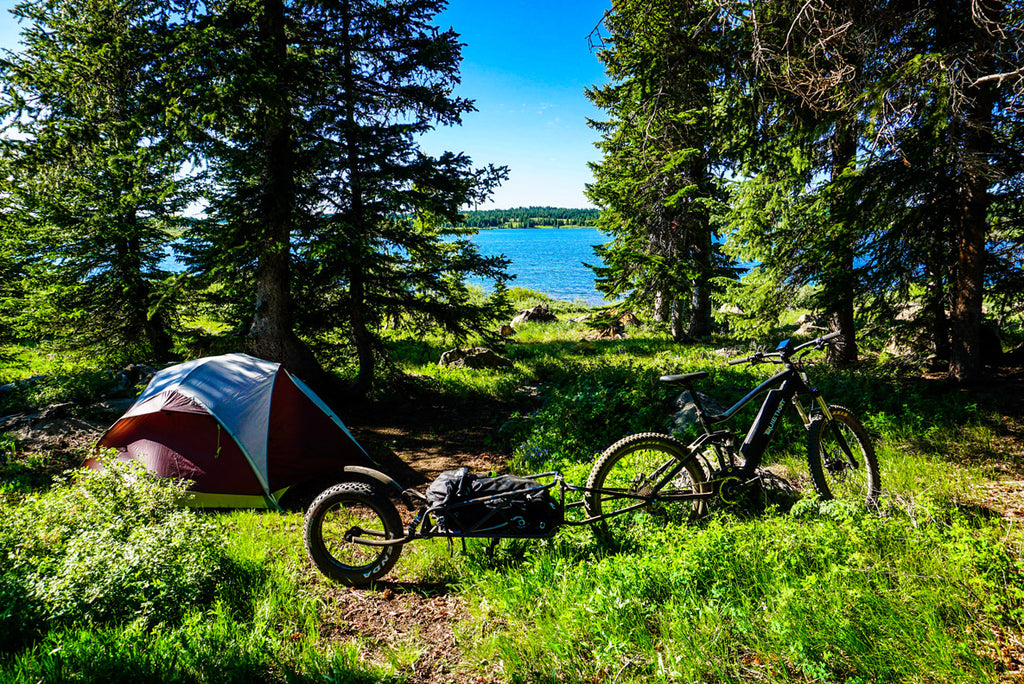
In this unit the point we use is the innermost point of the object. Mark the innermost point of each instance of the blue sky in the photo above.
(526, 64)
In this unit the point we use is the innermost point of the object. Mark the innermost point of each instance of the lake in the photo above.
(548, 259)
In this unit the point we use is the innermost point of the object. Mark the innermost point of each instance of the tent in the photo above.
(243, 430)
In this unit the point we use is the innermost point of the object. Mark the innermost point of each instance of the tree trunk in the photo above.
(841, 282)
(965, 360)
(678, 309)
(700, 309)
(272, 335)
(935, 314)
(659, 310)
(141, 323)
(362, 338)
(971, 228)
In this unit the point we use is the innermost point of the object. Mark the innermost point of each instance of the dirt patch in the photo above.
(55, 429)
(417, 439)
(411, 625)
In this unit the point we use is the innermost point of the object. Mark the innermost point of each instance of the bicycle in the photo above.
(641, 469)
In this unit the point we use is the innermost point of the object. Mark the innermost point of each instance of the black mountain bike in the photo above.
(647, 468)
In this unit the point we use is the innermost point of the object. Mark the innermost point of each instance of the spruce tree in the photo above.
(658, 184)
(92, 187)
(328, 218)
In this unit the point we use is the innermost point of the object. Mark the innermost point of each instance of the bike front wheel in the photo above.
(841, 458)
(636, 467)
(343, 513)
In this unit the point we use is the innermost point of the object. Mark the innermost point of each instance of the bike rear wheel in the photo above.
(344, 511)
(633, 467)
(833, 473)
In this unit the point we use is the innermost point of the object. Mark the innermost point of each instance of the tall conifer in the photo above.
(327, 217)
(92, 185)
(658, 183)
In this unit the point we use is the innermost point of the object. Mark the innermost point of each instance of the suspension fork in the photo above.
(829, 424)
(804, 416)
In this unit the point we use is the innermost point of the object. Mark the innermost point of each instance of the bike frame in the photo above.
(780, 389)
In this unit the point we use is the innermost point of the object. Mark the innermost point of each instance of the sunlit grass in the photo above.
(918, 590)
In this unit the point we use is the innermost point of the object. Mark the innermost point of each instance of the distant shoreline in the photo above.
(568, 227)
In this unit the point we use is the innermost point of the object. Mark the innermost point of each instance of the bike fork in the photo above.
(830, 423)
(805, 417)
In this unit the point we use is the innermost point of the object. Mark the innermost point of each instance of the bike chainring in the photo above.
(737, 490)
(727, 485)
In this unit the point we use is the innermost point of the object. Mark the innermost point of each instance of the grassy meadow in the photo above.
(105, 580)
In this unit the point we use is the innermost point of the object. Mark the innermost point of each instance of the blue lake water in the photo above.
(548, 259)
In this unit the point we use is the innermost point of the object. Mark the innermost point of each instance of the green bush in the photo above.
(103, 546)
(591, 409)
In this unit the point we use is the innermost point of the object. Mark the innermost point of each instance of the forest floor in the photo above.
(416, 439)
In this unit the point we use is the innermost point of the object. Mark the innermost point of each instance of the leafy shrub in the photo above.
(588, 411)
(103, 546)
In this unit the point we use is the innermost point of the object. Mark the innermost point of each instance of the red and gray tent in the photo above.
(241, 429)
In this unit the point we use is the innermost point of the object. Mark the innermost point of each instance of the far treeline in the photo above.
(870, 150)
(530, 217)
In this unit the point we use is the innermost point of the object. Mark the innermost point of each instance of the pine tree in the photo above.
(92, 185)
(927, 101)
(793, 209)
(658, 184)
(327, 215)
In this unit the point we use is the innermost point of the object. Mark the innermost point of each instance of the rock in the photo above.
(807, 318)
(685, 414)
(128, 378)
(811, 325)
(907, 312)
(908, 343)
(473, 357)
(539, 314)
(506, 331)
(615, 332)
(730, 309)
(55, 411)
(629, 318)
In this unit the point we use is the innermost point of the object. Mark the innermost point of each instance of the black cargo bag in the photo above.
(519, 506)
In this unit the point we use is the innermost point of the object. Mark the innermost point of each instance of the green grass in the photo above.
(921, 590)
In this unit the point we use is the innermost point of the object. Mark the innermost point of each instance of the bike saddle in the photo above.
(684, 379)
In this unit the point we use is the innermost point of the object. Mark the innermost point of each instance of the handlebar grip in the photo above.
(830, 337)
(736, 362)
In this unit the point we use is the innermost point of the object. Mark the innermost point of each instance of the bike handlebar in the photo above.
(781, 357)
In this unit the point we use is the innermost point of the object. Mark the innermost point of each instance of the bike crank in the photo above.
(731, 485)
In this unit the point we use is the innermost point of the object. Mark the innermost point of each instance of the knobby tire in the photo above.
(337, 510)
(633, 464)
(829, 466)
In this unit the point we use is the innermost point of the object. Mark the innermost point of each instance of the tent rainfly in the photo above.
(243, 430)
